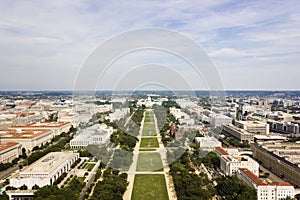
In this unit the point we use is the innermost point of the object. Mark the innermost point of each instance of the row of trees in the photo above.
(112, 187)
(120, 137)
(137, 116)
(52, 192)
(232, 188)
(189, 185)
(164, 119)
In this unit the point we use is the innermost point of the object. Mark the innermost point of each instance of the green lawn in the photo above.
(149, 129)
(149, 187)
(149, 143)
(148, 120)
(148, 161)
(90, 166)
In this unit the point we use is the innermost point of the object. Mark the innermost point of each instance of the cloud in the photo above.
(56, 36)
(227, 52)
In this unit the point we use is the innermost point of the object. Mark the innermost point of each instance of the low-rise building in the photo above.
(97, 134)
(9, 151)
(282, 158)
(231, 161)
(238, 133)
(284, 127)
(208, 143)
(118, 114)
(27, 138)
(56, 127)
(44, 171)
(226, 151)
(230, 164)
(219, 120)
(255, 127)
(266, 191)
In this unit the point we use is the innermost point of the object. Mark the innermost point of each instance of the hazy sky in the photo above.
(253, 44)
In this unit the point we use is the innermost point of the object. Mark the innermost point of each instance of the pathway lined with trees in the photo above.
(149, 173)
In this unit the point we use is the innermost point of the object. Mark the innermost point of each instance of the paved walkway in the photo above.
(163, 153)
(132, 168)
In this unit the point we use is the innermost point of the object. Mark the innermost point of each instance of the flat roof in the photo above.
(222, 151)
(7, 145)
(42, 125)
(48, 163)
(259, 182)
(252, 176)
(23, 134)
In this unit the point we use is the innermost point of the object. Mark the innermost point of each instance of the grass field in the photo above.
(148, 161)
(149, 129)
(149, 187)
(148, 120)
(149, 143)
(90, 166)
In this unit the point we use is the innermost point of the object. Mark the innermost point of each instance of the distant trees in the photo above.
(53, 117)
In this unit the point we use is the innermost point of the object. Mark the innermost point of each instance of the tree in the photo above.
(23, 187)
(35, 187)
(233, 188)
(4, 196)
(24, 156)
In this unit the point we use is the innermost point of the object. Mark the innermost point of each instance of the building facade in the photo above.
(266, 191)
(279, 165)
(238, 133)
(45, 171)
(9, 151)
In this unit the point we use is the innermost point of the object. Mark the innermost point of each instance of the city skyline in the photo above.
(254, 45)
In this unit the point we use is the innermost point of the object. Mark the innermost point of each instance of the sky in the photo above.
(254, 45)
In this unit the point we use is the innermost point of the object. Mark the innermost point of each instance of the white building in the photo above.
(44, 171)
(229, 164)
(182, 117)
(217, 120)
(266, 191)
(118, 114)
(238, 133)
(97, 134)
(255, 127)
(208, 143)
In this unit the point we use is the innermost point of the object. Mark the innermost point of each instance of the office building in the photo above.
(44, 171)
(266, 191)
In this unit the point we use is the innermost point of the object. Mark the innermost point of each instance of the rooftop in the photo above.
(22, 134)
(222, 151)
(7, 145)
(259, 182)
(252, 176)
(43, 125)
(48, 163)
